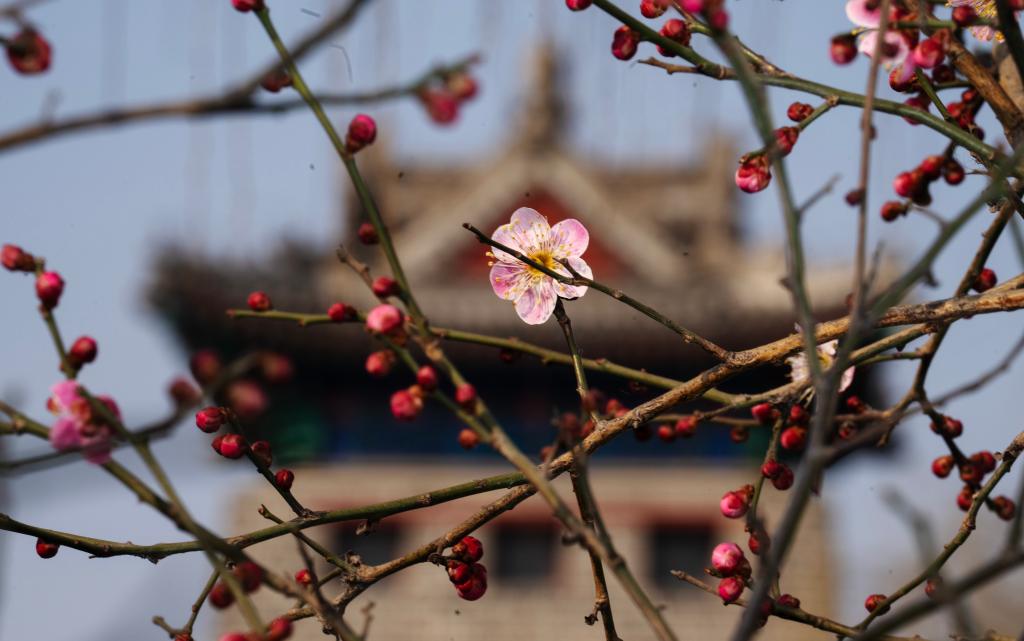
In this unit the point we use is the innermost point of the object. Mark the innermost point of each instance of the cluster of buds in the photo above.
(29, 52)
(442, 100)
(731, 566)
(914, 184)
(684, 427)
(778, 473)
(250, 577)
(972, 472)
(466, 573)
(735, 503)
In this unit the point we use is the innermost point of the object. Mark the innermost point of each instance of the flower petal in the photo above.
(798, 370)
(65, 393)
(902, 49)
(64, 434)
(846, 379)
(569, 238)
(537, 302)
(509, 280)
(97, 448)
(530, 230)
(829, 348)
(573, 291)
(859, 13)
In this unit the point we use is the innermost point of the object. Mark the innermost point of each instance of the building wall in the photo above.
(637, 501)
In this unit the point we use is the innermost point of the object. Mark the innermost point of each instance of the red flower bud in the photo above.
(624, 43)
(472, 589)
(931, 167)
(284, 478)
(220, 596)
(462, 86)
(441, 106)
(942, 466)
(753, 174)
(276, 368)
(426, 378)
(205, 366)
(799, 111)
(906, 183)
(82, 351)
(276, 80)
(843, 49)
(653, 8)
(577, 5)
(183, 392)
(340, 312)
(784, 480)
(984, 460)
(249, 575)
(677, 31)
(872, 602)
(303, 577)
(951, 427)
(785, 138)
(964, 15)
(793, 438)
(259, 302)
(15, 259)
(468, 439)
(666, 433)
(965, 498)
(28, 52)
(928, 53)
(247, 399)
(367, 234)
(362, 131)
(209, 419)
(405, 406)
(378, 364)
(231, 446)
(46, 550)
(262, 452)
(469, 549)
(730, 589)
(985, 281)
(764, 413)
(892, 210)
(953, 172)
(384, 287)
(1004, 507)
(278, 630)
(771, 468)
(686, 427)
(788, 601)
(49, 287)
(465, 395)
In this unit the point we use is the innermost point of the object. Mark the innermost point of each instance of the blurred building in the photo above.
(667, 234)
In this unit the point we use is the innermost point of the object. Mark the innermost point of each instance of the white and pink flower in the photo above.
(799, 370)
(77, 426)
(534, 292)
(895, 50)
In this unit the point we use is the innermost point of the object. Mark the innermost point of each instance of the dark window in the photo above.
(525, 552)
(374, 547)
(679, 547)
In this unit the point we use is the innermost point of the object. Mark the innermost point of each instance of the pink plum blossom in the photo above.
(77, 427)
(534, 292)
(896, 49)
(826, 356)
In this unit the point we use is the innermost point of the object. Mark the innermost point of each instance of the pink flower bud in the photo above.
(693, 6)
(426, 377)
(465, 395)
(733, 505)
(379, 364)
(577, 5)
(384, 319)
(247, 399)
(624, 43)
(28, 52)
(49, 287)
(726, 558)
(362, 131)
(405, 406)
(730, 589)
(753, 174)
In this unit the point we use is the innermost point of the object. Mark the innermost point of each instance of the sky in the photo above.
(96, 204)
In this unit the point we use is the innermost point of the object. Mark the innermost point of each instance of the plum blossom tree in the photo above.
(927, 47)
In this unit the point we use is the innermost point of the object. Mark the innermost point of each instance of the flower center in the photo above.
(544, 258)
